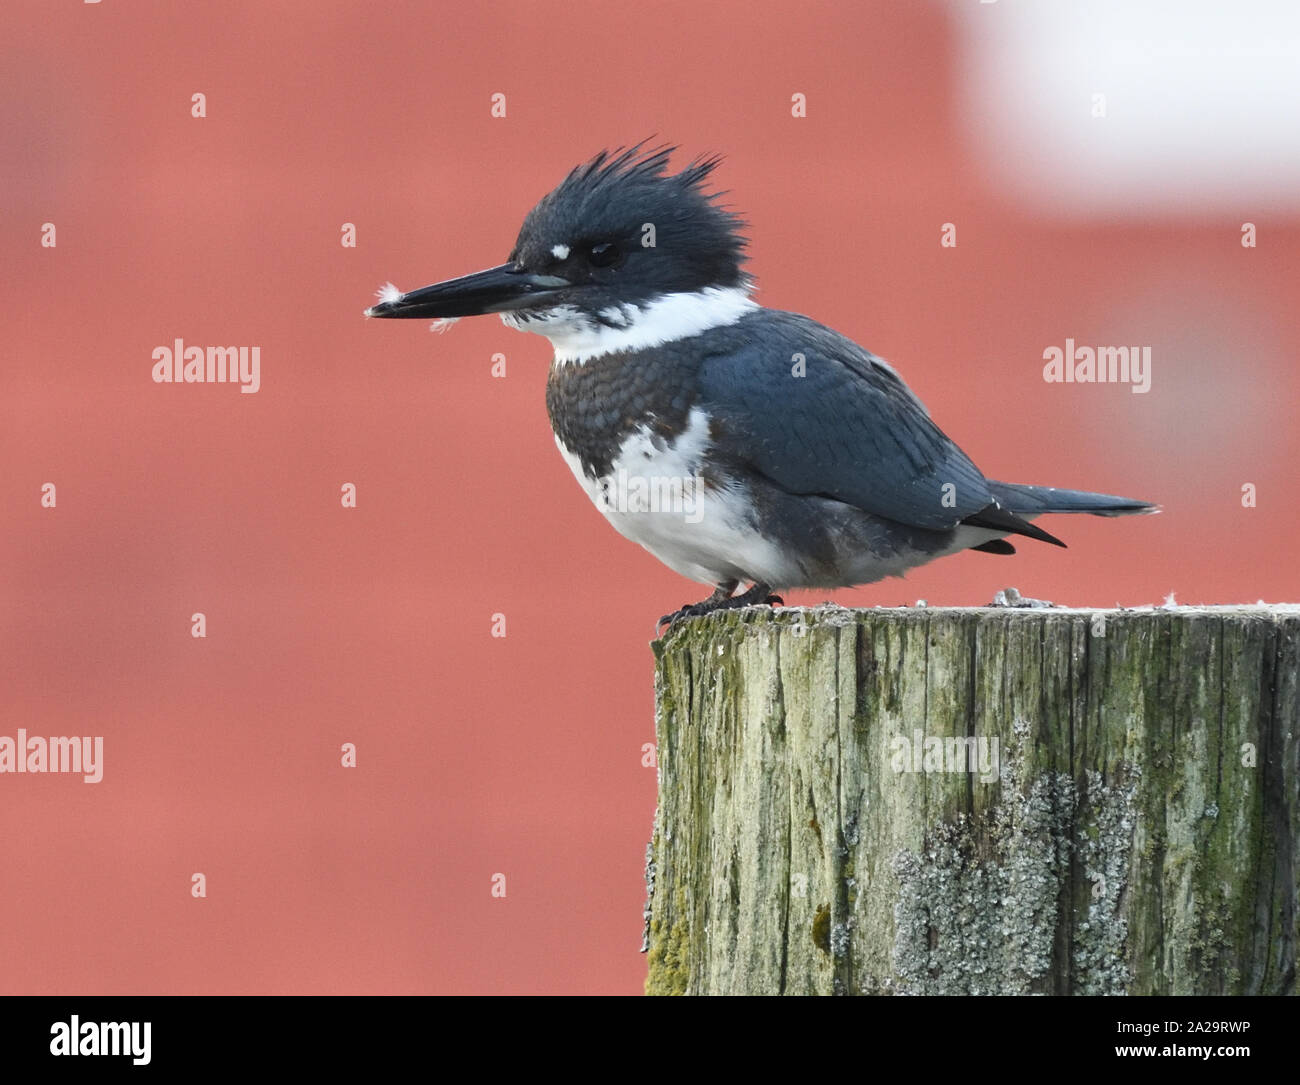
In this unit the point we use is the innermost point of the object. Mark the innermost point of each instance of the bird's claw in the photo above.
(691, 610)
(698, 610)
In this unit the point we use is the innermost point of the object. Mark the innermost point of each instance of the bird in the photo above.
(744, 447)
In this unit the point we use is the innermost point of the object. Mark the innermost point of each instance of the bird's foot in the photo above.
(758, 595)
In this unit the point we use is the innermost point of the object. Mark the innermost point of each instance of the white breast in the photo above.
(655, 495)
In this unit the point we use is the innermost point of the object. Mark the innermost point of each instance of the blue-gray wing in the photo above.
(847, 428)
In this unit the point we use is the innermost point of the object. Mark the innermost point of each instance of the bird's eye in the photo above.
(603, 255)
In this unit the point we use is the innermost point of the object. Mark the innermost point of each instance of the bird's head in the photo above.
(616, 244)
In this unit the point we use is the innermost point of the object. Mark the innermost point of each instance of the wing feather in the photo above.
(847, 428)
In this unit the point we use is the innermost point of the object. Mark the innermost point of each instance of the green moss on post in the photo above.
(1129, 823)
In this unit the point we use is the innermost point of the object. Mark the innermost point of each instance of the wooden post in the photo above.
(977, 801)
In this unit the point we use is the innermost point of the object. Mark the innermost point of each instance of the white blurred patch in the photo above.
(443, 324)
(560, 252)
(388, 293)
(1199, 104)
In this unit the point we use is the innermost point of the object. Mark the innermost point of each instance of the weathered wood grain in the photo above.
(1133, 825)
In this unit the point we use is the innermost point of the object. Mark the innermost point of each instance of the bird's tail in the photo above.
(1034, 500)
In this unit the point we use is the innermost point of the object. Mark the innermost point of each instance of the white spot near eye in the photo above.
(560, 252)
(388, 292)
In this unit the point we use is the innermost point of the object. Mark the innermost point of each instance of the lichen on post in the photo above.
(977, 801)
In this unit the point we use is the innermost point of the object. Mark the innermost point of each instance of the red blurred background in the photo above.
(518, 755)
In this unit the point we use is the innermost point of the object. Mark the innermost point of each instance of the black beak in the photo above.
(495, 290)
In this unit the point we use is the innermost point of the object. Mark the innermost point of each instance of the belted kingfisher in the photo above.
(800, 459)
